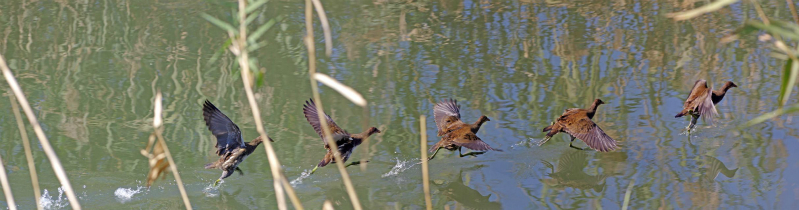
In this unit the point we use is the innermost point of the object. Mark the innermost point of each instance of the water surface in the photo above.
(91, 69)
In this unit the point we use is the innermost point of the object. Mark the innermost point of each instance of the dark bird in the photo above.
(702, 102)
(577, 123)
(454, 132)
(230, 147)
(346, 142)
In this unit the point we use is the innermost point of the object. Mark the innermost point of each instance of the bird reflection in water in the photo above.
(569, 173)
(706, 190)
(460, 192)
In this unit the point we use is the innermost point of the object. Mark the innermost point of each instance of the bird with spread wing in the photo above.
(345, 141)
(456, 134)
(230, 147)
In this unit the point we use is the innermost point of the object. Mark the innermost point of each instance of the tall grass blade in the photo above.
(280, 183)
(627, 195)
(48, 149)
(6, 188)
(345, 90)
(222, 24)
(26, 145)
(772, 114)
(325, 27)
(428, 201)
(713, 6)
(789, 74)
(309, 45)
(254, 5)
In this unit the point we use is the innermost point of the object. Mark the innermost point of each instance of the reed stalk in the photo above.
(309, 43)
(428, 201)
(48, 149)
(280, 182)
(157, 123)
(627, 195)
(6, 188)
(26, 145)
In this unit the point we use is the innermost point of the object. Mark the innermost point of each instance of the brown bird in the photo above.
(230, 147)
(702, 102)
(455, 133)
(577, 123)
(346, 142)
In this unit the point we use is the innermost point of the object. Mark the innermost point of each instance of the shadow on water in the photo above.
(570, 172)
(705, 190)
(458, 190)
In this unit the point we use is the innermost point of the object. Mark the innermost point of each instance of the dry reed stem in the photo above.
(325, 27)
(345, 90)
(6, 188)
(48, 149)
(157, 122)
(309, 43)
(26, 145)
(428, 201)
(280, 183)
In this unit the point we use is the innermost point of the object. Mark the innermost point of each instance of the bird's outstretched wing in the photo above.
(228, 135)
(444, 112)
(312, 115)
(587, 131)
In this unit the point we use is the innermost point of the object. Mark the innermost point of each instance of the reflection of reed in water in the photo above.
(569, 173)
(464, 195)
(706, 191)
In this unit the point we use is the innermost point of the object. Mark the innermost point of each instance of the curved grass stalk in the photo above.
(6, 188)
(26, 144)
(280, 181)
(309, 44)
(157, 123)
(48, 149)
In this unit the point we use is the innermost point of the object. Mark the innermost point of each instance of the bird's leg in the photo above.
(469, 154)
(224, 173)
(241, 173)
(434, 154)
(314, 169)
(571, 144)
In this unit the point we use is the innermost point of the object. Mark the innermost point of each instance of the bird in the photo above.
(345, 141)
(702, 102)
(578, 124)
(230, 147)
(456, 134)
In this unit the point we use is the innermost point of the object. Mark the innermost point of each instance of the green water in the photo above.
(91, 69)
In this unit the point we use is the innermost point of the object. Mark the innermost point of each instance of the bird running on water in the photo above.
(345, 141)
(578, 124)
(230, 147)
(454, 132)
(702, 102)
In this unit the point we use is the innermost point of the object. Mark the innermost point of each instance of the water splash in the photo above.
(211, 190)
(530, 142)
(298, 180)
(402, 166)
(125, 194)
(48, 202)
